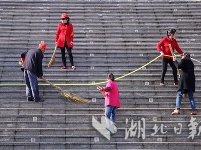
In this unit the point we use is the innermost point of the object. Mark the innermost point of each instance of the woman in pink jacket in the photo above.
(112, 102)
(64, 39)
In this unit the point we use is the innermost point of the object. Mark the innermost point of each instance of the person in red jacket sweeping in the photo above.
(64, 39)
(166, 47)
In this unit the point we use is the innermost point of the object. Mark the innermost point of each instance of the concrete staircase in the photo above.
(110, 36)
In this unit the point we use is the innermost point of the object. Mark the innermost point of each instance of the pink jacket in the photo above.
(112, 96)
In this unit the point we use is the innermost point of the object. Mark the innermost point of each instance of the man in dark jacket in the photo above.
(186, 83)
(33, 70)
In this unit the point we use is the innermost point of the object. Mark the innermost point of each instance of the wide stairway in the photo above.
(114, 36)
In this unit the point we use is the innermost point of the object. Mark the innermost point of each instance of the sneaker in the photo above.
(162, 83)
(112, 129)
(107, 133)
(193, 112)
(176, 83)
(176, 112)
(29, 99)
(64, 68)
(73, 67)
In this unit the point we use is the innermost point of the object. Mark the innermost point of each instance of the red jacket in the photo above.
(163, 46)
(64, 32)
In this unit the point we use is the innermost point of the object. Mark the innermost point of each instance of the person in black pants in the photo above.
(165, 62)
(64, 39)
(166, 47)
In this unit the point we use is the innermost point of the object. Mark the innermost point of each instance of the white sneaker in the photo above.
(112, 129)
(107, 133)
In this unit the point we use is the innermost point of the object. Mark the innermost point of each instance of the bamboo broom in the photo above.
(52, 60)
(67, 95)
(173, 55)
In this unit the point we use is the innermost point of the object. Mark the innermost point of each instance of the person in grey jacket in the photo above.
(186, 84)
(32, 71)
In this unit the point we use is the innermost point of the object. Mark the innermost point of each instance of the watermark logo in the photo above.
(138, 128)
(106, 127)
(101, 127)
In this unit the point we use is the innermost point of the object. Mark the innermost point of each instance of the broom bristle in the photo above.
(68, 95)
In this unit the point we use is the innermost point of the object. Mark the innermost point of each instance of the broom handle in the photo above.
(55, 49)
(48, 82)
(173, 55)
(102, 92)
(53, 56)
(56, 87)
(171, 50)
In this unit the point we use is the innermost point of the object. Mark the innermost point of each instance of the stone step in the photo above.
(72, 112)
(127, 31)
(102, 145)
(97, 102)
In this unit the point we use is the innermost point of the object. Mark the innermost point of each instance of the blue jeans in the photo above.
(31, 82)
(110, 112)
(179, 98)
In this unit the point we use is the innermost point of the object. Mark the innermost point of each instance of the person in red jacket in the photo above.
(166, 47)
(64, 39)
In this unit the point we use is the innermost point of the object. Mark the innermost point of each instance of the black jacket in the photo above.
(187, 79)
(33, 62)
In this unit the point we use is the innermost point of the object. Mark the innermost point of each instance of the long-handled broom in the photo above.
(52, 60)
(175, 62)
(99, 88)
(67, 95)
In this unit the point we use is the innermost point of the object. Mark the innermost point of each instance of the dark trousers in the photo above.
(164, 69)
(63, 55)
(32, 91)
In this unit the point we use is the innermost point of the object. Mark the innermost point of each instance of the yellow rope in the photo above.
(138, 68)
(94, 83)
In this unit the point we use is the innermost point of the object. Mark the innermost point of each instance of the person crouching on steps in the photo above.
(186, 84)
(64, 39)
(112, 102)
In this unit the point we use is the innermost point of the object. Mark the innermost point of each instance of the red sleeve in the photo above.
(178, 49)
(72, 33)
(57, 33)
(159, 45)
